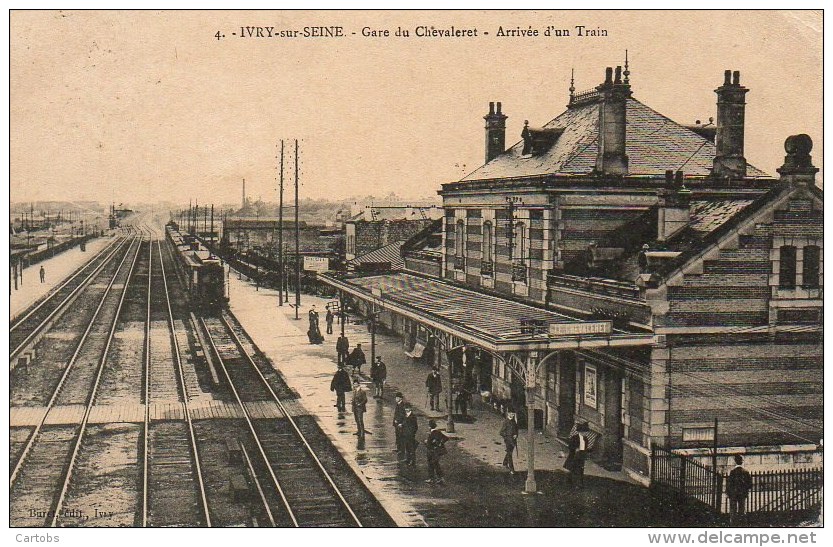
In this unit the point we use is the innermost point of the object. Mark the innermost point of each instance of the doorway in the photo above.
(566, 392)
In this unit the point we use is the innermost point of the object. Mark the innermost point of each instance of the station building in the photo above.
(618, 268)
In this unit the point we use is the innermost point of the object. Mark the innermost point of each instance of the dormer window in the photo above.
(538, 140)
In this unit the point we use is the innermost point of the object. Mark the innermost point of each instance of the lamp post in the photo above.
(449, 394)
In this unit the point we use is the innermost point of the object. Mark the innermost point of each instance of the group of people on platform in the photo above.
(405, 429)
(405, 421)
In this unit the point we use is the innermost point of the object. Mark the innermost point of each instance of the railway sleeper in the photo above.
(235, 453)
(239, 488)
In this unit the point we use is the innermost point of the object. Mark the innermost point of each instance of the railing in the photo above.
(774, 494)
(519, 271)
(595, 285)
(783, 491)
(587, 95)
(687, 478)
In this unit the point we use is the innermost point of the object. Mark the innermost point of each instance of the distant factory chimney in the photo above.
(495, 132)
(731, 111)
(244, 194)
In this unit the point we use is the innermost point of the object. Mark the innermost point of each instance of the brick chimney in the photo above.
(495, 132)
(731, 111)
(798, 164)
(674, 212)
(612, 159)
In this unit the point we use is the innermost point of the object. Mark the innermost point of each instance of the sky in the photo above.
(145, 106)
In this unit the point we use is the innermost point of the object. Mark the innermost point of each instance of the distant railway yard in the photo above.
(138, 400)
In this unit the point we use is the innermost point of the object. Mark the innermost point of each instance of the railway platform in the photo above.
(57, 268)
(478, 490)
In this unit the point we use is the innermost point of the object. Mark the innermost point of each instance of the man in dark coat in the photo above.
(378, 373)
(399, 421)
(737, 489)
(357, 359)
(509, 432)
(435, 445)
(341, 384)
(359, 405)
(329, 320)
(409, 431)
(434, 384)
(342, 349)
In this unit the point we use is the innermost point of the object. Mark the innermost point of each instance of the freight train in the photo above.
(201, 272)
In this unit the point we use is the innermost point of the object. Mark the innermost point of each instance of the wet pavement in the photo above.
(57, 268)
(478, 491)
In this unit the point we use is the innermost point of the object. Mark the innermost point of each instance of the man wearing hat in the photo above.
(738, 486)
(434, 385)
(399, 421)
(378, 373)
(341, 384)
(359, 405)
(435, 446)
(409, 431)
(509, 432)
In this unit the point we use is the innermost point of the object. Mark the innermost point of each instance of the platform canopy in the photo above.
(493, 323)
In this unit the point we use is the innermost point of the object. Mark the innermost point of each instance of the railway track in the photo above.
(24, 328)
(135, 353)
(38, 480)
(173, 491)
(297, 489)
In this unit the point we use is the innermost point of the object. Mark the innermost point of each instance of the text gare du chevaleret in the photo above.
(419, 31)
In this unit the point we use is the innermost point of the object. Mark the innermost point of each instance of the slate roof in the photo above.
(654, 144)
(706, 218)
(491, 316)
(390, 254)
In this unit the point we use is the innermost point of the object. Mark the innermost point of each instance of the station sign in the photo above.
(580, 328)
(316, 264)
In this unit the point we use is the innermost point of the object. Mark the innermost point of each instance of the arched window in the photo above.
(487, 265)
(786, 274)
(812, 266)
(459, 237)
(519, 245)
(459, 245)
(520, 250)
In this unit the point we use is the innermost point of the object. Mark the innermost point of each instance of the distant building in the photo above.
(261, 236)
(376, 227)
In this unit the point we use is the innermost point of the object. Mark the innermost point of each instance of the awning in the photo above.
(494, 323)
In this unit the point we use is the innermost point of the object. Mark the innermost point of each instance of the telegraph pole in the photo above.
(280, 234)
(297, 240)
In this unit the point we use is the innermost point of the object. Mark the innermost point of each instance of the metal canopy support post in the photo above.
(532, 361)
(342, 311)
(450, 424)
(373, 314)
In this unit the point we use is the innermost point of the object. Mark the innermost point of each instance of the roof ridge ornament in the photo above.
(572, 84)
(627, 72)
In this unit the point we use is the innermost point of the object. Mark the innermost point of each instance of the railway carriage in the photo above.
(201, 272)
